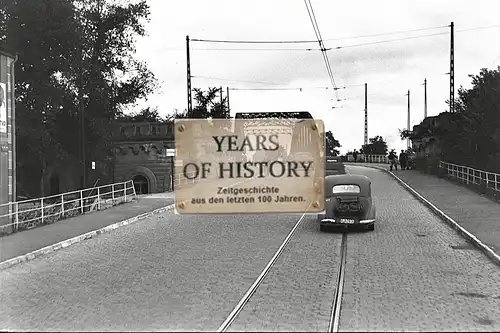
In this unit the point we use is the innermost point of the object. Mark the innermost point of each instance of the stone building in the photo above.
(140, 155)
(423, 140)
(425, 136)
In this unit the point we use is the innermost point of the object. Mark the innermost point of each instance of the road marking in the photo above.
(455, 225)
(253, 288)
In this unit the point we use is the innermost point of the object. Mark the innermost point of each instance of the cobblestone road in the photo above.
(414, 273)
(186, 273)
(298, 292)
(167, 273)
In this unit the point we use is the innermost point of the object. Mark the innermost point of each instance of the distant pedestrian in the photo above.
(355, 155)
(403, 160)
(393, 159)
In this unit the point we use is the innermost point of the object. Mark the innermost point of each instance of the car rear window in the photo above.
(346, 189)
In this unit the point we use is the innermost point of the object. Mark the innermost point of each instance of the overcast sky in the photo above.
(389, 68)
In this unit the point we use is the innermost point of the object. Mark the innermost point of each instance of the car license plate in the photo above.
(347, 221)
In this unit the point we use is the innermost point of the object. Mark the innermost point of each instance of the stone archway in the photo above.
(146, 173)
(141, 184)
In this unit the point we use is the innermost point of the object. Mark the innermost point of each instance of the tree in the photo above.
(405, 134)
(41, 32)
(331, 144)
(148, 114)
(73, 55)
(470, 136)
(208, 106)
(178, 115)
(476, 132)
(106, 74)
(377, 146)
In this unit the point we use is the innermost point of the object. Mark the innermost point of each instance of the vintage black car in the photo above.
(334, 166)
(348, 202)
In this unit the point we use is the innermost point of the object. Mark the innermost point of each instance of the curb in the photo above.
(54, 247)
(458, 228)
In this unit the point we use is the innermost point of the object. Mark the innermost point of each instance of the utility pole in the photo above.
(366, 114)
(452, 68)
(81, 96)
(190, 101)
(221, 100)
(425, 98)
(228, 108)
(82, 125)
(408, 124)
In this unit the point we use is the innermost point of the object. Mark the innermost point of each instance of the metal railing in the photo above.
(369, 158)
(27, 214)
(471, 176)
(180, 179)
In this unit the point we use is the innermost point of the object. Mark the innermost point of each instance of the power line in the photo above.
(287, 88)
(310, 41)
(265, 89)
(261, 82)
(259, 49)
(325, 49)
(389, 33)
(344, 46)
(386, 41)
(479, 28)
(255, 41)
(494, 62)
(230, 80)
(314, 22)
(358, 96)
(388, 81)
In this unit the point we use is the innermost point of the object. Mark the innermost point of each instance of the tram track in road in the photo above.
(331, 300)
(333, 326)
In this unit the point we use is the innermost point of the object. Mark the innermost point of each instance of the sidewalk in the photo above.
(478, 214)
(26, 241)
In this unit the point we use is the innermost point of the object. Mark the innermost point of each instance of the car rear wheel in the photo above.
(322, 227)
(371, 227)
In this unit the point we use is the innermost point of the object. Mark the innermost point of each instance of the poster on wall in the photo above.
(3, 108)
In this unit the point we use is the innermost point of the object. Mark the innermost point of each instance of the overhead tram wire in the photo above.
(261, 82)
(285, 88)
(231, 80)
(311, 41)
(317, 32)
(259, 49)
(266, 89)
(389, 81)
(326, 49)
(320, 41)
(337, 47)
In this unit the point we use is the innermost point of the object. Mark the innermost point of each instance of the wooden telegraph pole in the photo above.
(366, 114)
(425, 98)
(190, 101)
(452, 68)
(408, 123)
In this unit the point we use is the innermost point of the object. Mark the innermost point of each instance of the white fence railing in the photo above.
(180, 179)
(471, 176)
(29, 213)
(369, 158)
